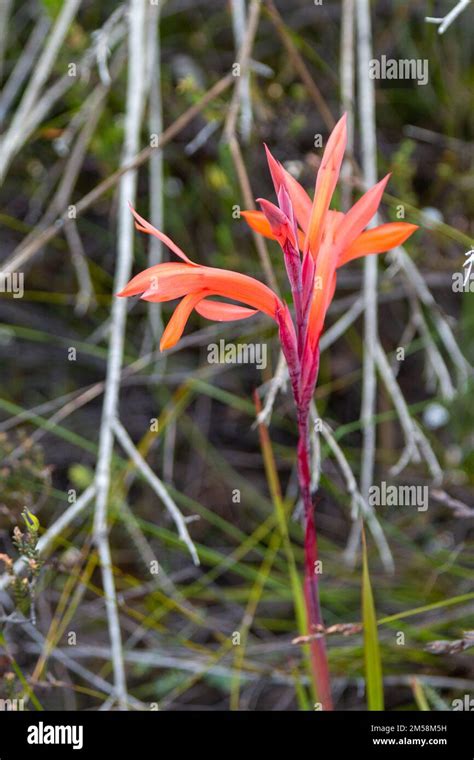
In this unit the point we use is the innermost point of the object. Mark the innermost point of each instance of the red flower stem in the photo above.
(319, 660)
(303, 371)
(293, 267)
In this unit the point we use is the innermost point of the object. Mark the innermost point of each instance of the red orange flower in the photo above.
(315, 241)
(303, 228)
(195, 284)
(332, 238)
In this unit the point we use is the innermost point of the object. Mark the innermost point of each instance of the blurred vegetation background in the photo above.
(179, 624)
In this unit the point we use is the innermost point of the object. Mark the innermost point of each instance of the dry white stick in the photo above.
(202, 137)
(66, 518)
(369, 167)
(277, 382)
(92, 111)
(32, 92)
(446, 21)
(135, 100)
(416, 440)
(359, 505)
(243, 61)
(88, 115)
(85, 296)
(347, 95)
(55, 529)
(24, 64)
(103, 41)
(155, 123)
(148, 557)
(80, 120)
(13, 142)
(429, 455)
(410, 451)
(88, 108)
(406, 338)
(433, 353)
(239, 20)
(416, 282)
(342, 324)
(366, 98)
(5, 8)
(158, 487)
(69, 663)
(356, 499)
(50, 96)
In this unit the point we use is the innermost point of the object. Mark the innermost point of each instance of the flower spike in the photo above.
(315, 240)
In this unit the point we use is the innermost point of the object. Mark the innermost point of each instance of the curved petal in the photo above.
(326, 182)
(276, 169)
(301, 239)
(325, 277)
(175, 327)
(331, 226)
(149, 278)
(378, 240)
(145, 226)
(220, 282)
(278, 221)
(258, 222)
(299, 198)
(319, 307)
(358, 217)
(218, 311)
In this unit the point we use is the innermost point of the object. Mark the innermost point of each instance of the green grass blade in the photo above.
(420, 696)
(373, 663)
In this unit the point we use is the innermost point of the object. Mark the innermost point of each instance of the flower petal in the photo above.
(258, 222)
(278, 221)
(300, 200)
(175, 327)
(149, 278)
(319, 307)
(358, 217)
(325, 277)
(218, 311)
(377, 240)
(220, 282)
(145, 226)
(326, 182)
(276, 170)
(298, 196)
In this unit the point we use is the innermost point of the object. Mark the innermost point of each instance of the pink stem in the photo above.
(319, 660)
(303, 365)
